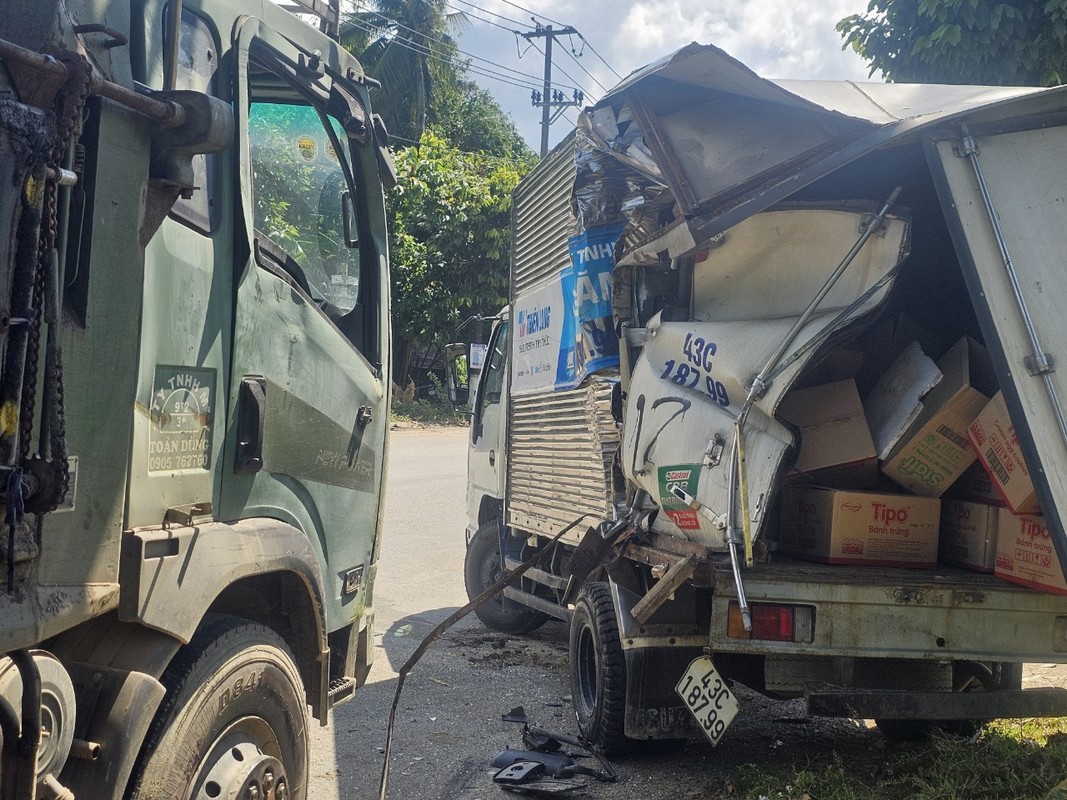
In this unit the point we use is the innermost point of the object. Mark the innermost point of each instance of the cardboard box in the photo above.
(863, 528)
(883, 343)
(836, 365)
(992, 435)
(975, 486)
(1026, 555)
(933, 450)
(835, 443)
(896, 400)
(968, 535)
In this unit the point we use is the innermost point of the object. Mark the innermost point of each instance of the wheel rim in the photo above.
(586, 672)
(490, 573)
(243, 763)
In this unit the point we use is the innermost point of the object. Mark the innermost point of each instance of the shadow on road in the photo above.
(448, 724)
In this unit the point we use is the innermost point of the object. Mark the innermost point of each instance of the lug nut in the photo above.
(268, 780)
(252, 793)
(282, 792)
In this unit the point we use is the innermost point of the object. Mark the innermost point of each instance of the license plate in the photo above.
(708, 698)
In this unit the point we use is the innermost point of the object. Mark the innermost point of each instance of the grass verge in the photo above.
(422, 413)
(1008, 760)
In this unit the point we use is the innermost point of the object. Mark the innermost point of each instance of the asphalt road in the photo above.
(448, 722)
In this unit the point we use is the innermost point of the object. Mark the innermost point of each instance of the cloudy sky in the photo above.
(776, 38)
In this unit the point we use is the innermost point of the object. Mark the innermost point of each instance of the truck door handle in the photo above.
(251, 411)
(492, 458)
(364, 416)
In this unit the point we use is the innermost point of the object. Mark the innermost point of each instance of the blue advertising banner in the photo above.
(596, 347)
(564, 330)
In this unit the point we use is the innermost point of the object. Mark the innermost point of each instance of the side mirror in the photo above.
(457, 374)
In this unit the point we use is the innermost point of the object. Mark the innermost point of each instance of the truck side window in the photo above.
(493, 380)
(301, 199)
(198, 60)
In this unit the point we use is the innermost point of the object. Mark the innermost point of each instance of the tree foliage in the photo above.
(407, 46)
(449, 227)
(472, 120)
(459, 158)
(1001, 42)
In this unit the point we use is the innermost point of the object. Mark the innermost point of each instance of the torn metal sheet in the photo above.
(729, 143)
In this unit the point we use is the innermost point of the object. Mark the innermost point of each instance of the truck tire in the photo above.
(973, 676)
(598, 670)
(481, 569)
(234, 717)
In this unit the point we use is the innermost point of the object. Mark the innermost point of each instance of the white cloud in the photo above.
(775, 38)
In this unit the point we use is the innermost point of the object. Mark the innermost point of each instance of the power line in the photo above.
(475, 68)
(602, 59)
(495, 14)
(393, 22)
(480, 19)
(577, 84)
(574, 58)
(428, 53)
(534, 13)
(585, 42)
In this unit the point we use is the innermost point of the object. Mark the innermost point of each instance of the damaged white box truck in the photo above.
(751, 323)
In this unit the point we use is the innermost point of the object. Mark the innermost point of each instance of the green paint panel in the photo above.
(301, 441)
(686, 477)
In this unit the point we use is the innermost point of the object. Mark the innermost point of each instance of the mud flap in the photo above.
(653, 708)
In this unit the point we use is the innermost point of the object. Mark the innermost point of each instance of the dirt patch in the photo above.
(498, 651)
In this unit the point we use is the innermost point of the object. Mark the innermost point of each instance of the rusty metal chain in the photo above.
(68, 109)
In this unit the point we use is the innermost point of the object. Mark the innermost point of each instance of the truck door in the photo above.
(486, 457)
(1003, 194)
(308, 405)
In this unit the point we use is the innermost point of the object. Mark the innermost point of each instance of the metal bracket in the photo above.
(965, 147)
(881, 231)
(713, 455)
(188, 515)
(1039, 366)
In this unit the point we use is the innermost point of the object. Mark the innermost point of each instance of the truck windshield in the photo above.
(301, 198)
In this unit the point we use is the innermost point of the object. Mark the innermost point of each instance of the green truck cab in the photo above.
(194, 393)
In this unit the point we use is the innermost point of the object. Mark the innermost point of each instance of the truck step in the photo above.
(340, 690)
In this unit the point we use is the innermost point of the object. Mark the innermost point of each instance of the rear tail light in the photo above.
(772, 623)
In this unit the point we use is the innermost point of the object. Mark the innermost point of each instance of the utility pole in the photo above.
(549, 98)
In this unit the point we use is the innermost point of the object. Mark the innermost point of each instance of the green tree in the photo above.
(407, 45)
(472, 120)
(450, 214)
(1001, 42)
(450, 237)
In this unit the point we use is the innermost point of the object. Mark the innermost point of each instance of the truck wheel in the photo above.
(598, 670)
(974, 676)
(481, 569)
(233, 722)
